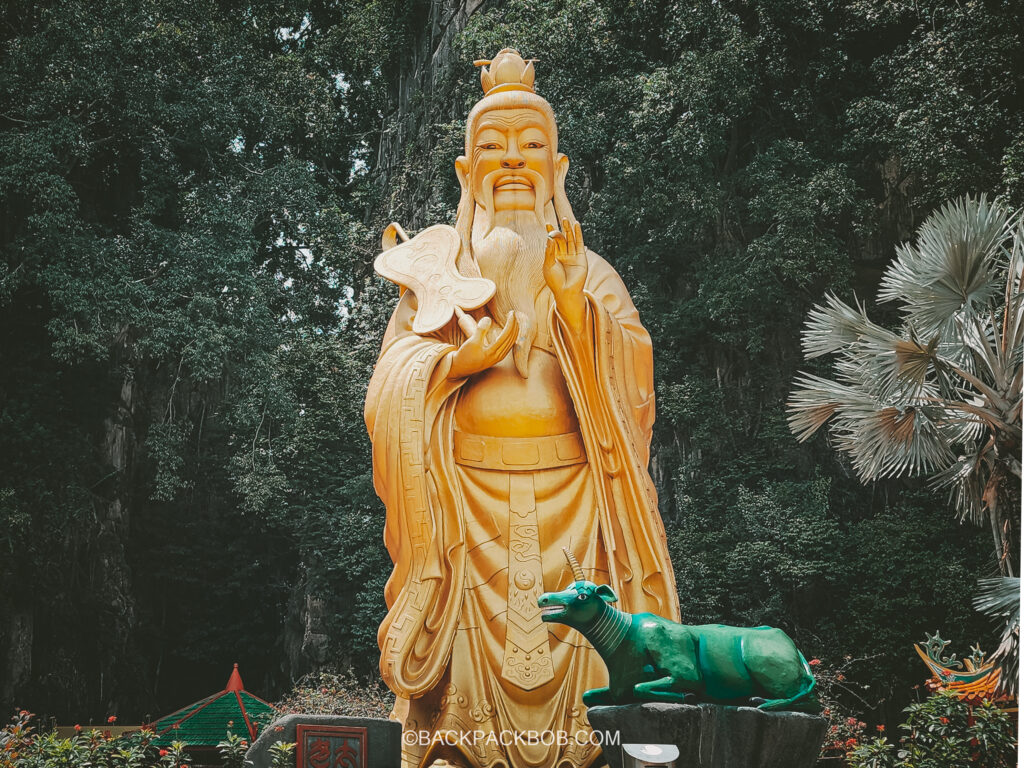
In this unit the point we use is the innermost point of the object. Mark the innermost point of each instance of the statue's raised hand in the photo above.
(565, 270)
(476, 353)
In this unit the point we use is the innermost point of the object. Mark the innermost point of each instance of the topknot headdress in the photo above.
(508, 72)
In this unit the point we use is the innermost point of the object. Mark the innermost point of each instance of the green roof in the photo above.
(206, 722)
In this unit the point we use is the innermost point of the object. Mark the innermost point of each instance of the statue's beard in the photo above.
(513, 257)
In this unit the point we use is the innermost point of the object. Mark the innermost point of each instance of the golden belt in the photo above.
(519, 454)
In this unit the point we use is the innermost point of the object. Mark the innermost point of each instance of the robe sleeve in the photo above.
(609, 369)
(409, 408)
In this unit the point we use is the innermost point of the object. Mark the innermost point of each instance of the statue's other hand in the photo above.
(476, 353)
(565, 270)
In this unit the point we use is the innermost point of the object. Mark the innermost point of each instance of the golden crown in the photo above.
(508, 72)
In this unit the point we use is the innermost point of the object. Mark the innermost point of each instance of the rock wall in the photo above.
(425, 95)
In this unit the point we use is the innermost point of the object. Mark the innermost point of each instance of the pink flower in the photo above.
(814, 662)
(112, 719)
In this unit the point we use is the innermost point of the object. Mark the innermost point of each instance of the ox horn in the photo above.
(577, 571)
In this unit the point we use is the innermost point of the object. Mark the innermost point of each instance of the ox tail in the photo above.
(804, 700)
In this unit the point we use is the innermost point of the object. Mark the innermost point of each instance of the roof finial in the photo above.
(235, 681)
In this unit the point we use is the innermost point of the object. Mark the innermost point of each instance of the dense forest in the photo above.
(191, 197)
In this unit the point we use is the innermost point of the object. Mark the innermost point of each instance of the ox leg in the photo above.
(661, 689)
(597, 697)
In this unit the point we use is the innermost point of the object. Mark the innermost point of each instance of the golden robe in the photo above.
(462, 645)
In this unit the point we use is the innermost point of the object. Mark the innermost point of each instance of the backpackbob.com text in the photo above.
(509, 738)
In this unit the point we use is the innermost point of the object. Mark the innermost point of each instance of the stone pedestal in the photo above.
(358, 741)
(713, 736)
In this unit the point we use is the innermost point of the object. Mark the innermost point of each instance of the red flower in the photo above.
(163, 753)
(840, 678)
(78, 728)
(814, 662)
(880, 728)
(851, 742)
(23, 713)
(244, 743)
(944, 720)
(852, 722)
(112, 719)
(826, 712)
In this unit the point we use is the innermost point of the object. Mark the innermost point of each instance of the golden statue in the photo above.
(510, 413)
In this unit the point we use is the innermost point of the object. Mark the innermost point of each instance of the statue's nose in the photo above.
(515, 161)
(543, 600)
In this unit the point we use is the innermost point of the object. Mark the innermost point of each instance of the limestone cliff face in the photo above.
(426, 106)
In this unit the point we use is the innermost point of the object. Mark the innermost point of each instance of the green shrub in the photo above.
(21, 746)
(338, 693)
(944, 732)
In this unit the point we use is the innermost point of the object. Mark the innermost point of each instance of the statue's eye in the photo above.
(534, 145)
(581, 596)
(490, 145)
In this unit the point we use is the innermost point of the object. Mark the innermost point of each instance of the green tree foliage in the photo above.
(182, 191)
(192, 195)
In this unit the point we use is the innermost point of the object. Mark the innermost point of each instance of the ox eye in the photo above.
(581, 596)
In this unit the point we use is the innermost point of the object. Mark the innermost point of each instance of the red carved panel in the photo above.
(330, 746)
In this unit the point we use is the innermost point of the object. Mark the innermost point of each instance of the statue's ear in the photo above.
(606, 593)
(561, 169)
(462, 170)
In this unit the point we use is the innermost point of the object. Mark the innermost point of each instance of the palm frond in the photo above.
(815, 400)
(966, 477)
(949, 273)
(835, 325)
(999, 599)
(890, 441)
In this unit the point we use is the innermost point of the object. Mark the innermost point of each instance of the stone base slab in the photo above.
(714, 736)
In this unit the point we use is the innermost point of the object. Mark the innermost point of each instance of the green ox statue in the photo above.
(650, 658)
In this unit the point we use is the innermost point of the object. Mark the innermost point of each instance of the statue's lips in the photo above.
(511, 183)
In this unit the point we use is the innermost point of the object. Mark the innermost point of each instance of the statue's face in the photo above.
(513, 160)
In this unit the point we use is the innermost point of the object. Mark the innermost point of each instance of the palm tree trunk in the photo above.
(1001, 534)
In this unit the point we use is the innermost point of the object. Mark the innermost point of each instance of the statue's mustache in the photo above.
(540, 188)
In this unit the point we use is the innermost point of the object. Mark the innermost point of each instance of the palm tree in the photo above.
(942, 396)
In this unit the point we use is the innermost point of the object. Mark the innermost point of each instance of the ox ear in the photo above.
(606, 593)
